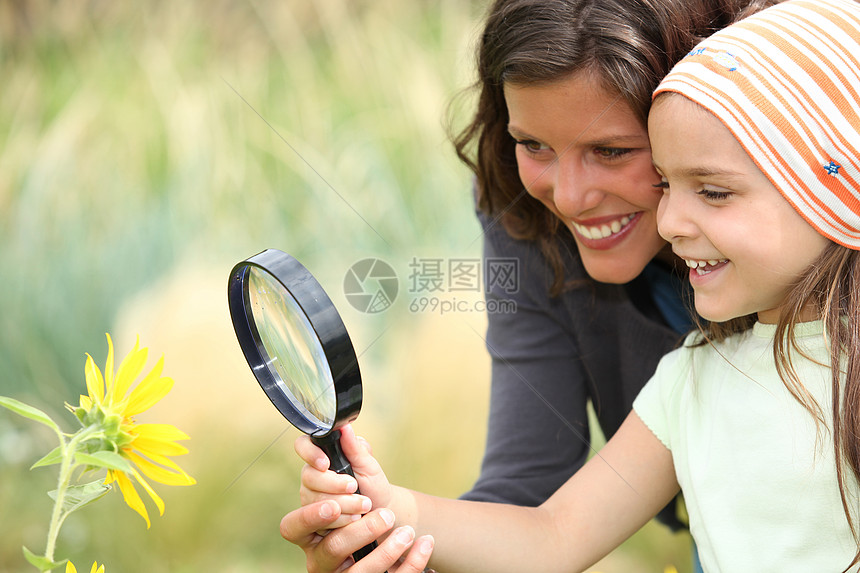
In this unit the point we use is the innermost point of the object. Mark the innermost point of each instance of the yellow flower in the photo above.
(111, 406)
(70, 568)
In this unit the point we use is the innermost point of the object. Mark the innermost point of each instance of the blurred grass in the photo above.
(146, 148)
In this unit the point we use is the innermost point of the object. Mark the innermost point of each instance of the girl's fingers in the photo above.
(299, 526)
(327, 482)
(352, 507)
(339, 545)
(311, 454)
(418, 556)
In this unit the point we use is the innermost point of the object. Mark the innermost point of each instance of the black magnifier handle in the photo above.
(338, 463)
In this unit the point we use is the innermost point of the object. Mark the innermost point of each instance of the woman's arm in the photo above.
(537, 433)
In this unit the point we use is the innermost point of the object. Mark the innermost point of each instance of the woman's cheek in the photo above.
(536, 177)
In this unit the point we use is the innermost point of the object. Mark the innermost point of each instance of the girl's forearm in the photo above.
(518, 539)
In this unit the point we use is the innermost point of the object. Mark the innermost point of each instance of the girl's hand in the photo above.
(318, 483)
(332, 553)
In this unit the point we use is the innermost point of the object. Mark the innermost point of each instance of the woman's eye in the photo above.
(712, 195)
(611, 152)
(531, 146)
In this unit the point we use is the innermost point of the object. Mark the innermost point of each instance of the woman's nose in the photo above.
(576, 188)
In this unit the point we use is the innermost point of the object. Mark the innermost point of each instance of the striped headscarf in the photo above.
(786, 82)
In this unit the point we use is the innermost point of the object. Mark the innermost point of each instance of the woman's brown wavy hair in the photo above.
(628, 44)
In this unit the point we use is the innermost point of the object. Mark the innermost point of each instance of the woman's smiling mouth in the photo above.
(605, 229)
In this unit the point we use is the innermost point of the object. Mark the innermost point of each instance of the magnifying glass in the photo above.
(298, 348)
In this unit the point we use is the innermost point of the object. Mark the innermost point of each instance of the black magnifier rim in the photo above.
(328, 327)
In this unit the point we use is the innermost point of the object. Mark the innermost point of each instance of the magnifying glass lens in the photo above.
(292, 350)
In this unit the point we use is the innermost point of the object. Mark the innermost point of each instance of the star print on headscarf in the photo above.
(832, 168)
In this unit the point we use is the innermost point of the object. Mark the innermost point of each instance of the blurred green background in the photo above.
(147, 147)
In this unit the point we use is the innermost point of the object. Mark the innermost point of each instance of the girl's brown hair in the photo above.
(628, 44)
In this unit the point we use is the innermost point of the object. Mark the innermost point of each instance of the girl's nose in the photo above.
(672, 222)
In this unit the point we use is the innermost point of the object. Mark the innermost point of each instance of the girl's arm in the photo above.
(616, 493)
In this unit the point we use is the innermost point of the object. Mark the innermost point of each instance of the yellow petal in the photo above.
(70, 567)
(161, 447)
(95, 382)
(86, 403)
(131, 367)
(109, 367)
(99, 570)
(163, 432)
(161, 474)
(158, 501)
(147, 394)
(130, 495)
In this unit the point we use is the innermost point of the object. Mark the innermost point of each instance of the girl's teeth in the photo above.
(700, 265)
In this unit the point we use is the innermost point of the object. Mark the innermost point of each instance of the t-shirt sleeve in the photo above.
(658, 403)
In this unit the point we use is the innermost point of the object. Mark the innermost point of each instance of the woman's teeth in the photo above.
(602, 231)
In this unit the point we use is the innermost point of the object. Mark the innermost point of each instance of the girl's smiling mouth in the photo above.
(704, 267)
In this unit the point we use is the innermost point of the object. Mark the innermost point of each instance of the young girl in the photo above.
(756, 136)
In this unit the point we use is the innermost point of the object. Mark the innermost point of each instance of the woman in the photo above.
(565, 185)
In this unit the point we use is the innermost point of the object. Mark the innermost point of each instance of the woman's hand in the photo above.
(332, 552)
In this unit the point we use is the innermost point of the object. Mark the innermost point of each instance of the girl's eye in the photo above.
(611, 152)
(663, 184)
(712, 195)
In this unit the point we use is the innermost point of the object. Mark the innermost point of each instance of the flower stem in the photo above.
(67, 468)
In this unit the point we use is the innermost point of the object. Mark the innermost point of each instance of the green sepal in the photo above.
(41, 562)
(77, 496)
(28, 412)
(55, 456)
(104, 459)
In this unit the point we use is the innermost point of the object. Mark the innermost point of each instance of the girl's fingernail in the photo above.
(366, 505)
(387, 516)
(326, 511)
(351, 484)
(425, 546)
(404, 534)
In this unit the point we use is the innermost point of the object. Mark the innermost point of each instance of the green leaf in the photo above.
(77, 496)
(54, 457)
(41, 562)
(28, 412)
(104, 459)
